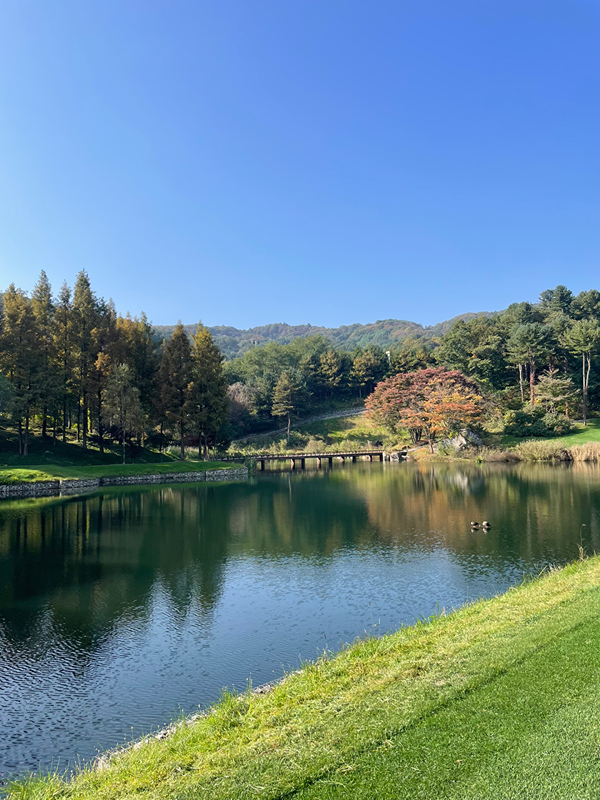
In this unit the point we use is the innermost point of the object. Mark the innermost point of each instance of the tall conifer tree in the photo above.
(43, 309)
(208, 389)
(85, 320)
(175, 374)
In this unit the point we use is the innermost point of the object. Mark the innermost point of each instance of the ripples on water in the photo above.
(120, 610)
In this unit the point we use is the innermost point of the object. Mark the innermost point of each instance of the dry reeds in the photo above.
(541, 451)
(590, 451)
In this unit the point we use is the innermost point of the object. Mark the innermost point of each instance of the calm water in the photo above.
(120, 610)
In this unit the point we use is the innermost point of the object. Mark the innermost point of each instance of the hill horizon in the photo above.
(384, 333)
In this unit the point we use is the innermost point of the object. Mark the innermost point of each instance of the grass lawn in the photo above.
(49, 460)
(48, 472)
(498, 700)
(580, 435)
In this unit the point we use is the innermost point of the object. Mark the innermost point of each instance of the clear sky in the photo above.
(323, 161)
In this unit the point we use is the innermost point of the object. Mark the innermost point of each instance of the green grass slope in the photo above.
(498, 700)
(48, 460)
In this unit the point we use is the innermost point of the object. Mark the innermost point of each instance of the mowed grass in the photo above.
(580, 435)
(49, 460)
(48, 472)
(498, 700)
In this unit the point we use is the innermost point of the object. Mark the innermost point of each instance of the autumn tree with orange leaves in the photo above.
(428, 403)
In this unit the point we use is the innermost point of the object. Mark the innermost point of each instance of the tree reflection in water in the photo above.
(116, 607)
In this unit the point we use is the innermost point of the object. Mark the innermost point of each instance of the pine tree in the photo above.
(62, 347)
(208, 389)
(121, 407)
(331, 370)
(105, 344)
(175, 374)
(85, 319)
(582, 340)
(43, 310)
(553, 390)
(528, 343)
(368, 367)
(137, 346)
(19, 359)
(287, 396)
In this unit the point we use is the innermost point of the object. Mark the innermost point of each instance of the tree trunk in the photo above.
(521, 384)
(532, 384)
(205, 447)
(430, 441)
(123, 442)
(100, 426)
(20, 438)
(199, 446)
(586, 365)
(78, 418)
(181, 449)
(64, 431)
(288, 429)
(44, 423)
(26, 440)
(84, 427)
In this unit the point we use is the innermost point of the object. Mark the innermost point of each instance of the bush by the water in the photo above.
(536, 422)
(554, 451)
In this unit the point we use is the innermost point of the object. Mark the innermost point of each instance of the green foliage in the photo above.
(536, 423)
(207, 389)
(122, 409)
(288, 396)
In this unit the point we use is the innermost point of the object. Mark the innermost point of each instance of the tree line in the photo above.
(71, 364)
(72, 367)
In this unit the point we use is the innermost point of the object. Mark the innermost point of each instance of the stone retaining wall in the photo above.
(75, 486)
(69, 487)
(42, 489)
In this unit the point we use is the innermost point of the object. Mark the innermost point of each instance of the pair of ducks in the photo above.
(485, 525)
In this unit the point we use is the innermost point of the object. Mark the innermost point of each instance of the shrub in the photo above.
(534, 422)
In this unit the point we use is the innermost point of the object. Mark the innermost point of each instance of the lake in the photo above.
(123, 609)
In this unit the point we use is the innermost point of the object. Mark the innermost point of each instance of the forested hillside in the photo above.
(385, 333)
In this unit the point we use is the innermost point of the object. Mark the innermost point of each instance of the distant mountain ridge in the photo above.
(384, 333)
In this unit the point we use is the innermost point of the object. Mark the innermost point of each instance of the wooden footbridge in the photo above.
(301, 458)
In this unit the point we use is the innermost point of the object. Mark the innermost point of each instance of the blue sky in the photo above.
(301, 160)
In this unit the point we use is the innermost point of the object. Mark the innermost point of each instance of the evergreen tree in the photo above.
(557, 300)
(175, 375)
(85, 319)
(62, 348)
(20, 359)
(582, 339)
(48, 387)
(368, 367)
(287, 396)
(587, 305)
(121, 407)
(553, 390)
(331, 370)
(528, 343)
(208, 389)
(105, 344)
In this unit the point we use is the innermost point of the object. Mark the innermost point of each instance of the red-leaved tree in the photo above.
(428, 403)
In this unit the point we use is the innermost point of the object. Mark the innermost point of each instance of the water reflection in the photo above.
(118, 608)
